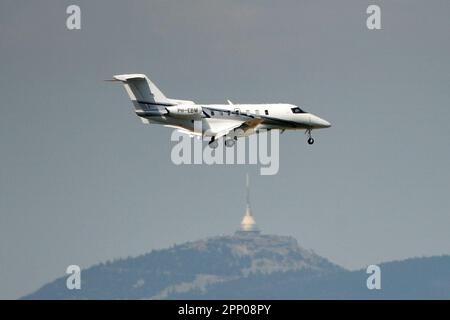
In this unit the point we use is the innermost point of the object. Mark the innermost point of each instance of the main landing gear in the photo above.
(213, 143)
(228, 141)
(310, 138)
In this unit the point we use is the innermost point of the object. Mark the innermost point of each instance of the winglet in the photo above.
(230, 103)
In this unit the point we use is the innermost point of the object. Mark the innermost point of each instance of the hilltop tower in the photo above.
(248, 224)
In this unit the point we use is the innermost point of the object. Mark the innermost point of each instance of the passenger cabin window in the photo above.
(266, 112)
(297, 110)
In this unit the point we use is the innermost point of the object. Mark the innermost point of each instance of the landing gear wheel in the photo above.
(229, 143)
(310, 139)
(213, 144)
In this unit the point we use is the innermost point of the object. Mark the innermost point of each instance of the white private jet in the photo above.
(218, 120)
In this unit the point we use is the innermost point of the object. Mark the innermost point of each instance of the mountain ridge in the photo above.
(249, 266)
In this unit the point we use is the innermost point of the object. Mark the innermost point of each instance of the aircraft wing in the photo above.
(243, 125)
(190, 133)
(184, 131)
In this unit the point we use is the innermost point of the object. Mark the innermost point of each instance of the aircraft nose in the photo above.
(325, 123)
(319, 122)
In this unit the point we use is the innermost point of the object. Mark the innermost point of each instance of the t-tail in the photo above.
(147, 99)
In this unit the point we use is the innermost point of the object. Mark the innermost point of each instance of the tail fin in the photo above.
(141, 90)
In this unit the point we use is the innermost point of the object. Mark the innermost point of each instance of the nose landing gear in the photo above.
(310, 138)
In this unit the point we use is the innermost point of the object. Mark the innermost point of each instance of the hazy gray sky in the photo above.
(83, 181)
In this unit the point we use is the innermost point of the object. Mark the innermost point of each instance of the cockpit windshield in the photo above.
(297, 110)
